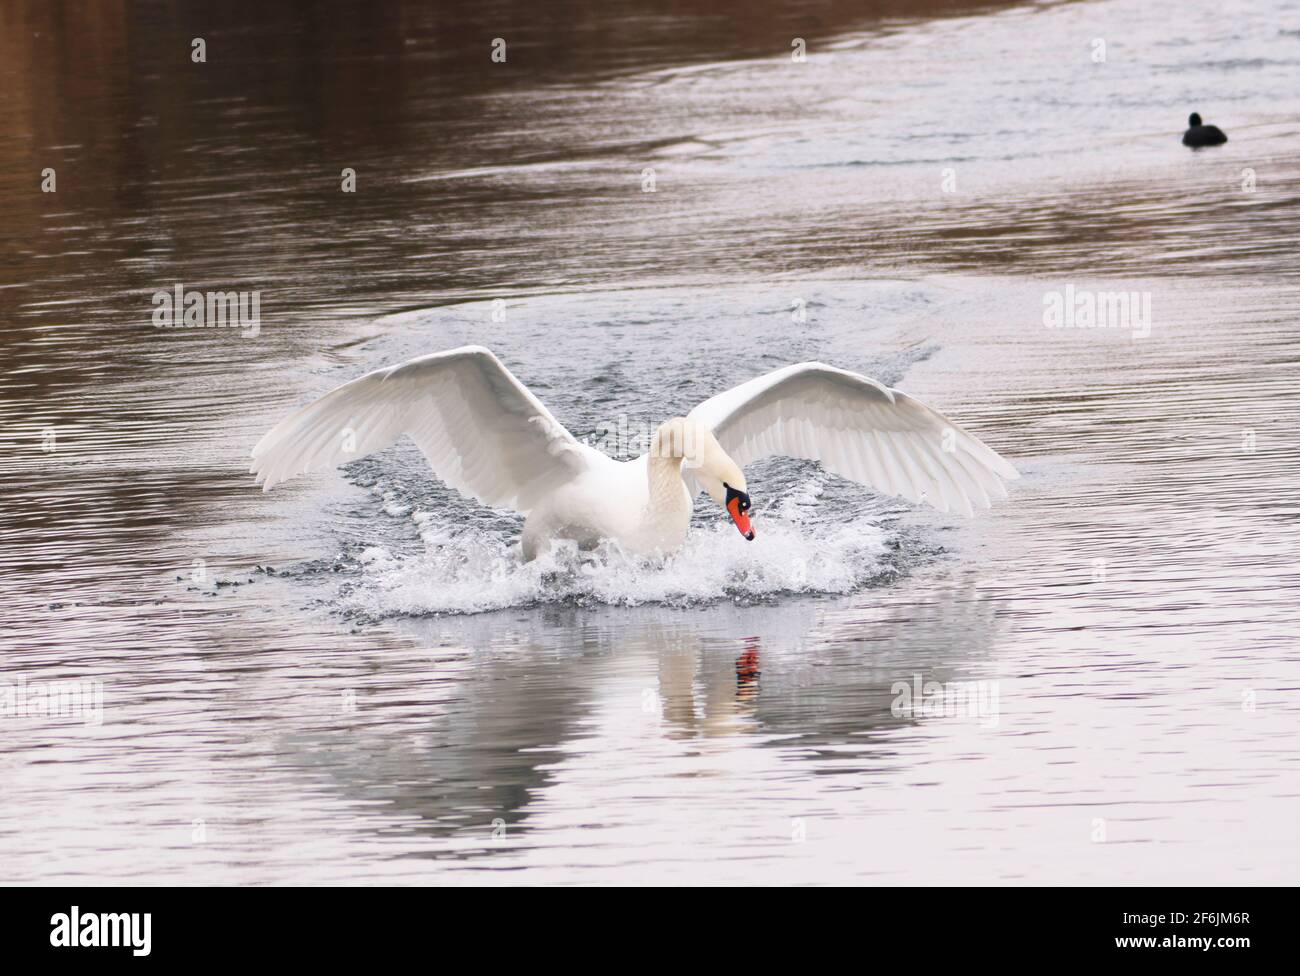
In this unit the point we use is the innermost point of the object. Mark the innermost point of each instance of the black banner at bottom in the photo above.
(143, 926)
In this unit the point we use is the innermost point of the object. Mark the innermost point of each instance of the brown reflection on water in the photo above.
(228, 171)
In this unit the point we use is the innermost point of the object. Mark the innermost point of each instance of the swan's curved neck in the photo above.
(665, 477)
(682, 440)
(669, 500)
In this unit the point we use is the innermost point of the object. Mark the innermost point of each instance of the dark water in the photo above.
(352, 679)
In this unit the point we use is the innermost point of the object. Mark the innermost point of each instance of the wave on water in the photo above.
(466, 569)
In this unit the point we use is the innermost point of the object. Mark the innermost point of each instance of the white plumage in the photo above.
(859, 429)
(487, 436)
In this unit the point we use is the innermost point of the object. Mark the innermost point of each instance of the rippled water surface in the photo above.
(354, 679)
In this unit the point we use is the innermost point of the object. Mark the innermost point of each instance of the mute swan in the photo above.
(1198, 135)
(488, 437)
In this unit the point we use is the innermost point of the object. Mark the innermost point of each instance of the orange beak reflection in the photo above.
(740, 518)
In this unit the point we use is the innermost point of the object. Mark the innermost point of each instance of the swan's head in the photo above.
(709, 464)
(725, 483)
(737, 505)
(1194, 120)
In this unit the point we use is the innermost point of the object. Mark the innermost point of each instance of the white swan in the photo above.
(487, 436)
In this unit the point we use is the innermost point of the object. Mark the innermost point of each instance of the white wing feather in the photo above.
(859, 429)
(483, 432)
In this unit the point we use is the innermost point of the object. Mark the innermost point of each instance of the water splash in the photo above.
(466, 569)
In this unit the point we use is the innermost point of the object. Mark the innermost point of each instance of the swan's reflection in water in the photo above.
(704, 691)
(748, 670)
(512, 705)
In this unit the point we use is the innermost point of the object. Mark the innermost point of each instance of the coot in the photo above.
(1202, 135)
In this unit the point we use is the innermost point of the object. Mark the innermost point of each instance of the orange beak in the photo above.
(740, 518)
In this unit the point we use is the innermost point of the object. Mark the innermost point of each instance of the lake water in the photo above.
(353, 678)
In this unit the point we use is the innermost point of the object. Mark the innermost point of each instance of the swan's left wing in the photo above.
(859, 429)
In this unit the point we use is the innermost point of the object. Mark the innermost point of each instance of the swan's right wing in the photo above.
(860, 429)
(483, 432)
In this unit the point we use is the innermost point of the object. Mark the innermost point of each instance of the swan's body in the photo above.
(642, 504)
(488, 437)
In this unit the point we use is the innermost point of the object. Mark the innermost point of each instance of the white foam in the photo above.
(470, 570)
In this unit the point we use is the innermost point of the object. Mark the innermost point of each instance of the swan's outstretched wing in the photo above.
(860, 429)
(484, 434)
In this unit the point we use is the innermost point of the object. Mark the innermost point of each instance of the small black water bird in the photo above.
(1198, 135)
